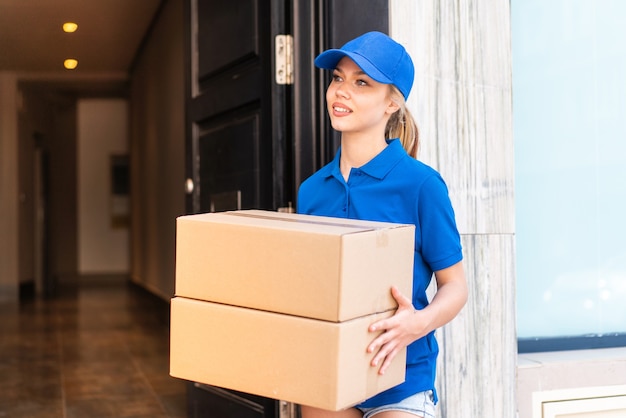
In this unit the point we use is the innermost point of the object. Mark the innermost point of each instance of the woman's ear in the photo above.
(393, 106)
(395, 100)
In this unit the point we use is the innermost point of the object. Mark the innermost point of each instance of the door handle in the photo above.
(189, 186)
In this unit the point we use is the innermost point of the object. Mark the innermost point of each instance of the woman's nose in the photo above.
(342, 92)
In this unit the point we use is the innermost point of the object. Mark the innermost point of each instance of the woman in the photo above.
(373, 177)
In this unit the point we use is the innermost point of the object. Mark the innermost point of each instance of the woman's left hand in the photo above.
(408, 324)
(404, 327)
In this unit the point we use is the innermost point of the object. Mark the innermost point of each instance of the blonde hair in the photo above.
(402, 125)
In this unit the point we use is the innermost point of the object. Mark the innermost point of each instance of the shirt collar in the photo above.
(377, 167)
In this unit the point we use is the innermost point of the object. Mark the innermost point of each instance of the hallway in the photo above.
(98, 349)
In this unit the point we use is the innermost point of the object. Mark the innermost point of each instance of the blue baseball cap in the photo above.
(379, 56)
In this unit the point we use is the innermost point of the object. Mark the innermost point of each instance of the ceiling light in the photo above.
(70, 63)
(70, 27)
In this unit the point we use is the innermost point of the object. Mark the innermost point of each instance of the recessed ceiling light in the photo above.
(70, 27)
(70, 63)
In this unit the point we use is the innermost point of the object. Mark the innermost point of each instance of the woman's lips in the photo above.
(340, 109)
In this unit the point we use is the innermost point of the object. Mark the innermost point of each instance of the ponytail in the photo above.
(402, 125)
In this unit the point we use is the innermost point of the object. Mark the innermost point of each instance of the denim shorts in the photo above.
(421, 404)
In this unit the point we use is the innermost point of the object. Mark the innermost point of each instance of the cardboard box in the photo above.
(302, 360)
(317, 267)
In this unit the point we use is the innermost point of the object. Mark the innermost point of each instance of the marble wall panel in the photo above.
(462, 102)
(477, 363)
(467, 137)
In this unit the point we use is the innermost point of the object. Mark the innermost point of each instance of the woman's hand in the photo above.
(399, 331)
(408, 324)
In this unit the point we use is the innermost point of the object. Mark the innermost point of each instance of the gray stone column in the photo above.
(462, 103)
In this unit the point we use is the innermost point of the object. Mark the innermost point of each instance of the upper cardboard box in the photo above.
(318, 267)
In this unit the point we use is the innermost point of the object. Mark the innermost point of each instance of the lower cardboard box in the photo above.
(302, 360)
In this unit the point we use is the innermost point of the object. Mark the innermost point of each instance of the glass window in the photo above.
(569, 112)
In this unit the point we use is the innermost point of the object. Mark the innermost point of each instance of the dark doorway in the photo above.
(44, 283)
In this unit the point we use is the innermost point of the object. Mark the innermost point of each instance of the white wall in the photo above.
(565, 375)
(158, 151)
(102, 132)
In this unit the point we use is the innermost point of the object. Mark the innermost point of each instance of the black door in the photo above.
(236, 126)
(250, 140)
(236, 137)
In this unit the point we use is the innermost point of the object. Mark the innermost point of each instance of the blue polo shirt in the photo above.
(394, 187)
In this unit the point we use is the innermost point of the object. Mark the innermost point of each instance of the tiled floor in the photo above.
(100, 349)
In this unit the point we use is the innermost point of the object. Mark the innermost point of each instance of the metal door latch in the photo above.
(287, 410)
(284, 59)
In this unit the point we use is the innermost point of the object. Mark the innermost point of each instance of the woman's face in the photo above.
(356, 103)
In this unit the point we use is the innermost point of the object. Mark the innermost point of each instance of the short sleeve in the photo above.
(440, 238)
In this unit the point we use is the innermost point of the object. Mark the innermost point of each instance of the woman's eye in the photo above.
(337, 77)
(361, 83)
